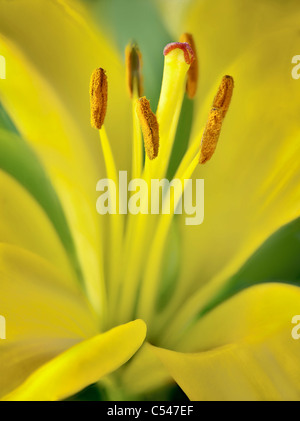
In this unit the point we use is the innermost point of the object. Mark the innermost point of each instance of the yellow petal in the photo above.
(83, 364)
(144, 373)
(44, 311)
(238, 27)
(245, 349)
(20, 358)
(24, 223)
(37, 301)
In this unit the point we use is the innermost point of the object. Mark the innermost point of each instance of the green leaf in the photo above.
(5, 121)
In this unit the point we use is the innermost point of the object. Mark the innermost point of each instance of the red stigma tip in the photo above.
(185, 47)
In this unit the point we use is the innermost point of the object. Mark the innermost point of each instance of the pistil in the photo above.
(178, 58)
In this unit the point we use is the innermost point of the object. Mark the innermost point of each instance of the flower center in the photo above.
(137, 244)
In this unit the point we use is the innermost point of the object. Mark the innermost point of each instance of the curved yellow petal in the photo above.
(24, 223)
(20, 358)
(144, 373)
(37, 301)
(238, 28)
(83, 364)
(245, 350)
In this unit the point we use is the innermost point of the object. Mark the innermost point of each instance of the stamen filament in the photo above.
(139, 226)
(152, 272)
(208, 144)
(137, 148)
(188, 162)
(117, 221)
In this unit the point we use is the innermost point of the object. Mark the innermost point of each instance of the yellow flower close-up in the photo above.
(108, 292)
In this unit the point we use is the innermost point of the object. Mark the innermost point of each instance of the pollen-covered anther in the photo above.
(224, 94)
(98, 97)
(211, 135)
(134, 65)
(149, 127)
(184, 46)
(192, 75)
(215, 119)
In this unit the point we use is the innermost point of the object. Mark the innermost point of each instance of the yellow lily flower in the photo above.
(78, 289)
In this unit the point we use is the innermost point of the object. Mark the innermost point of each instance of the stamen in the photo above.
(98, 97)
(192, 75)
(149, 127)
(134, 64)
(211, 134)
(215, 119)
(184, 46)
(224, 94)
